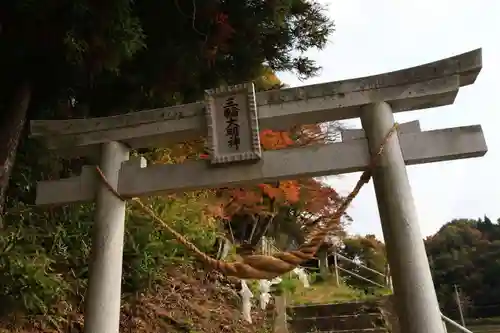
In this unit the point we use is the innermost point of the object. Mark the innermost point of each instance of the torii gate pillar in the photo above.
(417, 305)
(102, 302)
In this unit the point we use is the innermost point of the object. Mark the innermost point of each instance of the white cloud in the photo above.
(380, 36)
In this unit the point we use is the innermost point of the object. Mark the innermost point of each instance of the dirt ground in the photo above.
(187, 300)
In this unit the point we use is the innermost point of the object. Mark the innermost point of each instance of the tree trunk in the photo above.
(11, 128)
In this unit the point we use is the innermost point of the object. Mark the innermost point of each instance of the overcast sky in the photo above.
(377, 36)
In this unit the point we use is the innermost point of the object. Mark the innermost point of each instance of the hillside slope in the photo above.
(187, 300)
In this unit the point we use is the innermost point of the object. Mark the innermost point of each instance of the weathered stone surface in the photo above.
(233, 129)
(331, 309)
(425, 86)
(373, 316)
(314, 161)
(354, 134)
(338, 323)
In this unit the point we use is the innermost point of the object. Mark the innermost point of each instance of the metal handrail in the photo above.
(443, 317)
(455, 324)
(361, 277)
(273, 248)
(358, 264)
(338, 255)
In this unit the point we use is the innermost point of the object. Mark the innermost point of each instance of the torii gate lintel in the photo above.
(137, 179)
(425, 86)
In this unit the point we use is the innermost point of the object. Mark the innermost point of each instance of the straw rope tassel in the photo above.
(262, 266)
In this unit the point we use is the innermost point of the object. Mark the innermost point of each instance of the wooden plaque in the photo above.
(233, 128)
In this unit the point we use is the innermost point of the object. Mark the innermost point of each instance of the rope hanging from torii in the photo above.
(263, 266)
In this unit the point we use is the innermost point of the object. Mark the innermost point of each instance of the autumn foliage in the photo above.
(315, 200)
(311, 200)
(106, 58)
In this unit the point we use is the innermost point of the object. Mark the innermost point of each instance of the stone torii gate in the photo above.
(236, 158)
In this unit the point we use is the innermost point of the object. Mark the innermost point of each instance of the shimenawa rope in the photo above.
(262, 266)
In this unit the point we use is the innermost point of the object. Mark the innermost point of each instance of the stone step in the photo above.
(367, 330)
(338, 323)
(334, 309)
(477, 329)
